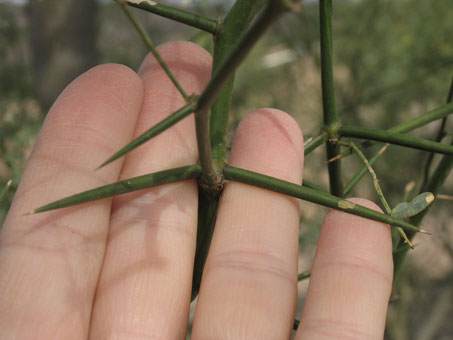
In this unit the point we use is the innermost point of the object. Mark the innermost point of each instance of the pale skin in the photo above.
(122, 268)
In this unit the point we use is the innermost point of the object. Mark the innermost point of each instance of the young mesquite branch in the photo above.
(440, 113)
(152, 132)
(176, 14)
(122, 187)
(310, 195)
(440, 134)
(331, 122)
(147, 40)
(379, 192)
(271, 12)
(395, 138)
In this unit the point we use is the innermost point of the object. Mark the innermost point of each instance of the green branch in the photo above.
(152, 132)
(304, 275)
(313, 143)
(379, 191)
(427, 117)
(235, 24)
(147, 40)
(357, 177)
(328, 86)
(176, 14)
(311, 185)
(423, 119)
(328, 96)
(412, 124)
(395, 138)
(211, 175)
(5, 189)
(440, 134)
(310, 195)
(122, 187)
(208, 203)
(433, 185)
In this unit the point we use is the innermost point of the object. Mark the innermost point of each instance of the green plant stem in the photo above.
(5, 189)
(378, 188)
(423, 119)
(304, 275)
(395, 138)
(440, 135)
(433, 185)
(334, 168)
(211, 175)
(328, 88)
(357, 177)
(235, 24)
(312, 185)
(427, 117)
(328, 96)
(208, 203)
(147, 40)
(315, 142)
(152, 132)
(310, 195)
(412, 124)
(122, 187)
(176, 14)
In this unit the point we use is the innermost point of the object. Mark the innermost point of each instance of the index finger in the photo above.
(50, 262)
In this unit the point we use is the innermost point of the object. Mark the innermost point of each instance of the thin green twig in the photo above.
(311, 195)
(440, 134)
(328, 86)
(308, 184)
(231, 29)
(147, 40)
(236, 22)
(176, 14)
(304, 275)
(433, 185)
(422, 120)
(378, 188)
(312, 143)
(357, 177)
(152, 132)
(122, 187)
(211, 176)
(395, 138)
(412, 124)
(328, 96)
(427, 117)
(5, 189)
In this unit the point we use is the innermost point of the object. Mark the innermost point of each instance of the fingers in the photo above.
(50, 262)
(249, 284)
(351, 279)
(145, 285)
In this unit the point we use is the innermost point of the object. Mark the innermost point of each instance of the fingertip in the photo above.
(106, 76)
(183, 57)
(351, 278)
(269, 134)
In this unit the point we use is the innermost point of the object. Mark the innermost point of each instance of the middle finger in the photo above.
(144, 289)
(249, 284)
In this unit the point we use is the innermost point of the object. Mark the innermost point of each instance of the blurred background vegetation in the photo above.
(393, 61)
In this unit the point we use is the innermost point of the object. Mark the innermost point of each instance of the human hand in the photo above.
(122, 268)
